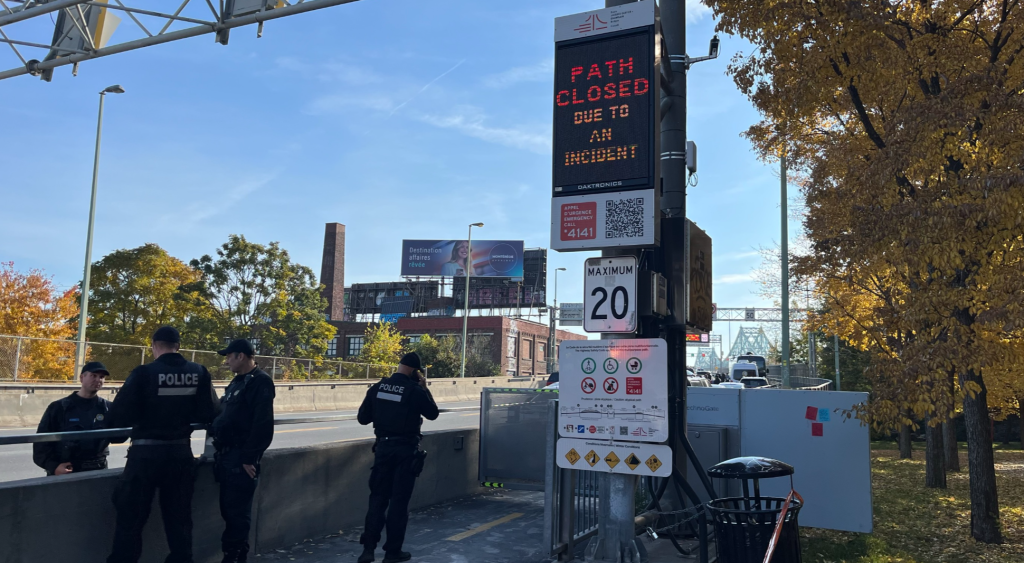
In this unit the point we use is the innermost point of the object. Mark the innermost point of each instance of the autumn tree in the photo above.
(382, 344)
(135, 291)
(256, 291)
(32, 306)
(906, 117)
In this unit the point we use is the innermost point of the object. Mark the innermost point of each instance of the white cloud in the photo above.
(735, 278)
(223, 203)
(695, 11)
(331, 71)
(470, 121)
(533, 73)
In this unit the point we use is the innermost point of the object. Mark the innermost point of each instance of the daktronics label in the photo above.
(604, 113)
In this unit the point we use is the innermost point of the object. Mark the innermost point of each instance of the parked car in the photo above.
(729, 385)
(697, 381)
(754, 382)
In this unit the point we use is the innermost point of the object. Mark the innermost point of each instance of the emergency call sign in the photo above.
(604, 118)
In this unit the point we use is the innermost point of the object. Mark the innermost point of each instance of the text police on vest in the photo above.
(179, 379)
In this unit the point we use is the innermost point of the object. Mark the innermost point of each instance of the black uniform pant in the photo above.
(391, 482)
(143, 475)
(236, 492)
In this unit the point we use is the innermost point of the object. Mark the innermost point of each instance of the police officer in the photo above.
(242, 432)
(394, 406)
(159, 401)
(81, 410)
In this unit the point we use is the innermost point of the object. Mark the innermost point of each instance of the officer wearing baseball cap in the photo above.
(241, 433)
(395, 406)
(160, 401)
(81, 410)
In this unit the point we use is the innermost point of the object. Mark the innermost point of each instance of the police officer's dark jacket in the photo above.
(66, 415)
(395, 405)
(160, 400)
(246, 421)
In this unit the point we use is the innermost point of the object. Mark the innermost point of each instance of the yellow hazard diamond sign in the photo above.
(611, 459)
(591, 458)
(572, 456)
(653, 463)
(632, 461)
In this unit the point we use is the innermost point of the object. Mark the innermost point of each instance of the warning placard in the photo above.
(614, 390)
(616, 457)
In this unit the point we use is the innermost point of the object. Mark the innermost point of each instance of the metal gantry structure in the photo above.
(46, 34)
(758, 315)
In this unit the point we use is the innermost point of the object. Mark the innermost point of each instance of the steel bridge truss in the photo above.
(45, 34)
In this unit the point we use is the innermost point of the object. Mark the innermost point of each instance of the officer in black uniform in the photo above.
(394, 406)
(242, 432)
(160, 401)
(81, 410)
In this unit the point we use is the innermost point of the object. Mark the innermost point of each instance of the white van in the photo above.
(741, 370)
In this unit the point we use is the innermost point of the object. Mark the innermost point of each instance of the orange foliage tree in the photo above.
(32, 306)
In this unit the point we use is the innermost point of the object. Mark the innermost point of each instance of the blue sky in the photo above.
(399, 118)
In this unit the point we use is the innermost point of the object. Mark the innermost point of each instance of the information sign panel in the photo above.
(629, 458)
(570, 314)
(604, 220)
(614, 390)
(609, 294)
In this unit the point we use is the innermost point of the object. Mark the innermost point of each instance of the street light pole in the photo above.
(552, 340)
(83, 313)
(465, 311)
(784, 200)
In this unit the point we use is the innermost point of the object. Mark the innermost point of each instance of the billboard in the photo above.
(605, 101)
(699, 302)
(450, 258)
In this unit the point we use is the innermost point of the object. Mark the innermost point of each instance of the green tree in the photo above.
(256, 291)
(441, 356)
(382, 345)
(134, 291)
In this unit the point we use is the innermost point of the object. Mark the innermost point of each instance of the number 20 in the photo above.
(604, 297)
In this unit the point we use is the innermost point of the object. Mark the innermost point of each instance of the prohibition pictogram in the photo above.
(611, 385)
(588, 385)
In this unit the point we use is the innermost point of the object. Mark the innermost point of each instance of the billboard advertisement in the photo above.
(450, 258)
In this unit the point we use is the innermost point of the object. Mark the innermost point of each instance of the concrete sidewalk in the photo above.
(498, 527)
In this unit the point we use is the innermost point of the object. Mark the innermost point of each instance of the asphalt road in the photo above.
(16, 461)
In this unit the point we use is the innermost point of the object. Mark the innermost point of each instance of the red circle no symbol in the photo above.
(611, 385)
(588, 385)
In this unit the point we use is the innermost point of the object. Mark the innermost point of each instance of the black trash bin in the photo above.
(745, 525)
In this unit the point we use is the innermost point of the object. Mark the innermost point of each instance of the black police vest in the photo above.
(232, 425)
(170, 399)
(83, 415)
(393, 413)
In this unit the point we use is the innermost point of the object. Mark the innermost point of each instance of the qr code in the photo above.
(624, 218)
(623, 431)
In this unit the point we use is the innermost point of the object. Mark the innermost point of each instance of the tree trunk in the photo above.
(906, 451)
(952, 453)
(1020, 420)
(934, 456)
(981, 463)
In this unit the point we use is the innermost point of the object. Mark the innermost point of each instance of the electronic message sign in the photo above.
(605, 102)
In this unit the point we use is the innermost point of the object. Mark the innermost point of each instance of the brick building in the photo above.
(518, 346)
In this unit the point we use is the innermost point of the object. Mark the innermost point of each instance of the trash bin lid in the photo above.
(750, 468)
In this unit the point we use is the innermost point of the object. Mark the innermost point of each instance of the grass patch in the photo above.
(918, 525)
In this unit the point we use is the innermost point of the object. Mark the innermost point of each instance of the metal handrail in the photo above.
(126, 432)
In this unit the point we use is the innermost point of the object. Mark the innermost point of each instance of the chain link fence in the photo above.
(24, 358)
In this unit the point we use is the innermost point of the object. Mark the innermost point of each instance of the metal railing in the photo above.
(803, 383)
(571, 499)
(51, 360)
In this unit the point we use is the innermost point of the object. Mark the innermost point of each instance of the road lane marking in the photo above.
(484, 527)
(305, 429)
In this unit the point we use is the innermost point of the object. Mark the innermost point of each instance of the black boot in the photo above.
(397, 557)
(367, 555)
(243, 556)
(230, 557)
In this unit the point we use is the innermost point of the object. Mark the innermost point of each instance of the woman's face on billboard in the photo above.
(462, 250)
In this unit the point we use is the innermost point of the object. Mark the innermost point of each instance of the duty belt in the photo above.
(148, 442)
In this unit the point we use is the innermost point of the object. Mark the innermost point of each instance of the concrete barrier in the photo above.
(304, 493)
(23, 405)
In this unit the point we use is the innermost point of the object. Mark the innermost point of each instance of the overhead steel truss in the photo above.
(46, 34)
(758, 315)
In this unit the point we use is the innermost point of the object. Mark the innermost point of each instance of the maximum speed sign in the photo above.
(609, 294)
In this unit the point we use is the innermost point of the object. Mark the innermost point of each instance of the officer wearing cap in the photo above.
(241, 433)
(81, 410)
(395, 406)
(159, 401)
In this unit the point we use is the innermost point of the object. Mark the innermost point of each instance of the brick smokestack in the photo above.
(332, 270)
